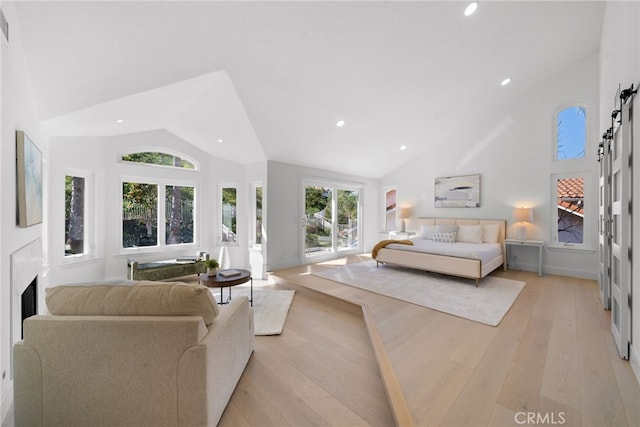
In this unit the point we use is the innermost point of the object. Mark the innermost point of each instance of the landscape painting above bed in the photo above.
(457, 192)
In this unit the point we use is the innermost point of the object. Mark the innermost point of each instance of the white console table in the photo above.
(535, 243)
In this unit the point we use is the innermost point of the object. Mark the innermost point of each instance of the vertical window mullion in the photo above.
(162, 214)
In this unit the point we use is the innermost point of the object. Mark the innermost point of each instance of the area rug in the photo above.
(270, 307)
(487, 303)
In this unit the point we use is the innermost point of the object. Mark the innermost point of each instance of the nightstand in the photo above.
(401, 234)
(535, 243)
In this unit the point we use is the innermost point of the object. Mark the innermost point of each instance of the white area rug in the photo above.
(487, 303)
(270, 307)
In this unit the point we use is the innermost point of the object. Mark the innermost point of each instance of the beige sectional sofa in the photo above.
(152, 354)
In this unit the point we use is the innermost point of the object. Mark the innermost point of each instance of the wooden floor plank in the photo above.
(551, 356)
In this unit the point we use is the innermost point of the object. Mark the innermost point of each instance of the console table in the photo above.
(535, 243)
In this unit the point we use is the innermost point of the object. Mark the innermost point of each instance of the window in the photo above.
(331, 215)
(156, 214)
(228, 223)
(390, 196)
(159, 158)
(571, 133)
(139, 214)
(179, 214)
(257, 236)
(76, 215)
(570, 209)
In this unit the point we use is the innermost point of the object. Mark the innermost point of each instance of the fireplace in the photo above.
(26, 267)
(29, 303)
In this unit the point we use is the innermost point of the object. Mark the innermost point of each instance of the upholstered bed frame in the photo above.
(455, 266)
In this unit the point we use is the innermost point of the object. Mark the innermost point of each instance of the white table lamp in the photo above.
(522, 216)
(403, 214)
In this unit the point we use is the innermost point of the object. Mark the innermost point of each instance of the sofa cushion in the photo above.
(144, 298)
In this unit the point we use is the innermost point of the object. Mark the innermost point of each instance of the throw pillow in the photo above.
(490, 233)
(426, 231)
(443, 237)
(469, 234)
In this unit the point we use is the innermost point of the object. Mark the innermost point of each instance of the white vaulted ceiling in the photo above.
(271, 79)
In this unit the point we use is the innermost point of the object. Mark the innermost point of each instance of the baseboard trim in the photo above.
(555, 271)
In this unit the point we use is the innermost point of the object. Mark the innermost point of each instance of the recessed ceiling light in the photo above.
(119, 121)
(220, 141)
(340, 123)
(471, 8)
(403, 147)
(506, 81)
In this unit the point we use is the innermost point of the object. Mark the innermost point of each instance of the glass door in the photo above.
(331, 223)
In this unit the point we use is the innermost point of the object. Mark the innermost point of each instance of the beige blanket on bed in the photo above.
(383, 243)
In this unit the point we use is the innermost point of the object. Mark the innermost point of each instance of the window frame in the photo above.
(554, 139)
(196, 164)
(385, 227)
(89, 247)
(254, 215)
(162, 184)
(591, 208)
(219, 217)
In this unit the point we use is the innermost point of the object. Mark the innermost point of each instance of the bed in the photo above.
(478, 250)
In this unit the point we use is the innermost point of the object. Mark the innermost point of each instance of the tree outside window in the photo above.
(229, 205)
(179, 214)
(74, 215)
(139, 214)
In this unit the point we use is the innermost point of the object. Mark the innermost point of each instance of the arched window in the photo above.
(571, 133)
(159, 158)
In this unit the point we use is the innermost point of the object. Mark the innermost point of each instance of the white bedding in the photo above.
(485, 252)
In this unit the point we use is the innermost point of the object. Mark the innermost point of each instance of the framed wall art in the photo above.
(457, 192)
(29, 181)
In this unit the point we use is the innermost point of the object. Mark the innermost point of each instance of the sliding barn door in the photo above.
(621, 227)
(604, 223)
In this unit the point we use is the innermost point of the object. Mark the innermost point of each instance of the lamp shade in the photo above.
(404, 213)
(523, 215)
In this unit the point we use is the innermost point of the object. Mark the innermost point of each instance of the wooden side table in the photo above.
(535, 243)
(221, 281)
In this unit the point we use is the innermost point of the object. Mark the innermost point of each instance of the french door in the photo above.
(331, 225)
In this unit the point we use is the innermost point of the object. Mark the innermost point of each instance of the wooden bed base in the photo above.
(455, 266)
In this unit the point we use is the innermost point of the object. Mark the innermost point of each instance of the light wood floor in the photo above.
(552, 355)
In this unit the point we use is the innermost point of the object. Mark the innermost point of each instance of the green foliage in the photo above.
(212, 263)
(158, 158)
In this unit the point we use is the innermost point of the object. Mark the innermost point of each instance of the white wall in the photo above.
(100, 157)
(513, 153)
(284, 201)
(18, 112)
(620, 65)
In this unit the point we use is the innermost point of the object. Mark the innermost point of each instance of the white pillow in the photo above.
(426, 231)
(490, 233)
(444, 237)
(447, 228)
(469, 234)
